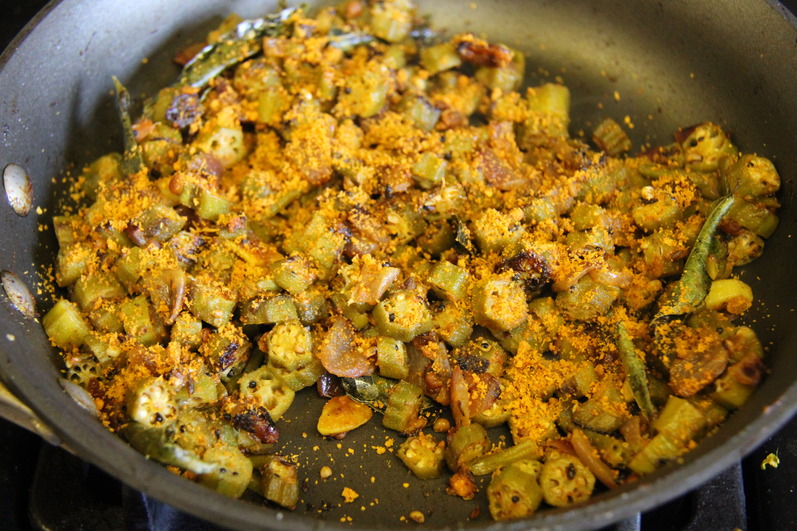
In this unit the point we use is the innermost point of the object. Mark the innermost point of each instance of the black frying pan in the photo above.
(672, 64)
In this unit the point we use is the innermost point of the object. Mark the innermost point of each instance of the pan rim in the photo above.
(598, 512)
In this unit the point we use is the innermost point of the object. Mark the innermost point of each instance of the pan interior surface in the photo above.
(657, 66)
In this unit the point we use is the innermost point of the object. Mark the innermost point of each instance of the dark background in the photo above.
(769, 493)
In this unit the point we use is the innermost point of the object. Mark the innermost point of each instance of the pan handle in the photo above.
(14, 410)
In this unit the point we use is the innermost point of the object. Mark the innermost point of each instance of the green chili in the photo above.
(690, 290)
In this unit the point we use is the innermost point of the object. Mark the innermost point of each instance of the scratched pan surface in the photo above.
(661, 64)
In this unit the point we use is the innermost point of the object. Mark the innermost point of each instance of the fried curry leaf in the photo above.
(689, 291)
(236, 46)
(132, 161)
(635, 369)
(373, 390)
(345, 41)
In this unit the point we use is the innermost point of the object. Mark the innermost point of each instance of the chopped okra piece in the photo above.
(104, 170)
(487, 353)
(704, 146)
(733, 388)
(489, 463)
(756, 216)
(550, 112)
(449, 280)
(154, 443)
(469, 442)
(103, 347)
(496, 231)
(497, 414)
(289, 345)
(232, 471)
(141, 322)
(421, 111)
(604, 411)
(158, 148)
(319, 241)
(280, 482)
(565, 480)
(679, 418)
(293, 274)
(677, 424)
(587, 299)
(224, 143)
(752, 176)
(453, 323)
(438, 238)
(429, 170)
(290, 354)
(368, 91)
(226, 349)
(272, 104)
(506, 78)
(65, 228)
(65, 326)
(206, 203)
(392, 20)
(186, 330)
(268, 390)
(353, 312)
(391, 358)
(90, 290)
(152, 403)
(423, 455)
(499, 303)
(71, 262)
(661, 211)
(210, 302)
(404, 405)
(403, 316)
(268, 311)
(515, 491)
(132, 265)
(440, 57)
(161, 223)
(205, 389)
(611, 138)
(311, 306)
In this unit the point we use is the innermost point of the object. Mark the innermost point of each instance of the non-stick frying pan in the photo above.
(662, 64)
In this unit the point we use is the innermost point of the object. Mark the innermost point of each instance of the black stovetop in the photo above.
(43, 487)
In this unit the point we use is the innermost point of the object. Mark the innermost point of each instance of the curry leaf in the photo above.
(373, 390)
(132, 161)
(635, 369)
(236, 46)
